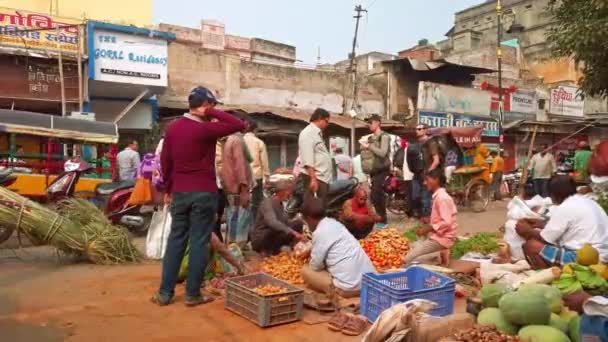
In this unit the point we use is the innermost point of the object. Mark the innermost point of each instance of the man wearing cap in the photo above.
(188, 168)
(316, 161)
(379, 145)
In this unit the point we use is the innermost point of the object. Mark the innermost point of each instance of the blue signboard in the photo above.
(434, 119)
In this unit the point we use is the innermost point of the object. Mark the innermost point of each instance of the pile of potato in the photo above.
(285, 266)
(267, 290)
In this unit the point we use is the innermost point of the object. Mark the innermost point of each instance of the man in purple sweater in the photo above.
(188, 165)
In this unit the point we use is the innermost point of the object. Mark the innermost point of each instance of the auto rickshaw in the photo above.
(36, 146)
(469, 182)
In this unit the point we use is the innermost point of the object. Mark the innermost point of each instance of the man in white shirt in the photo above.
(336, 259)
(575, 221)
(317, 165)
(543, 166)
(128, 162)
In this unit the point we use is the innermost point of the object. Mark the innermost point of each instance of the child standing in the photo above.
(442, 229)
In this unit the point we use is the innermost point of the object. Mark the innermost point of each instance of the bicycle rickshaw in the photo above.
(469, 182)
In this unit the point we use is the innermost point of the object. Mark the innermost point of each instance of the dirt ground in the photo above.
(43, 298)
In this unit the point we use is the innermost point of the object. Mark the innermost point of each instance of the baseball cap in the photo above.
(202, 94)
(374, 117)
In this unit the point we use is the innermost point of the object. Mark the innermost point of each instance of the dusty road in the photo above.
(43, 298)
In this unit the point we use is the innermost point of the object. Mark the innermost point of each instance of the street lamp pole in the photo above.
(499, 58)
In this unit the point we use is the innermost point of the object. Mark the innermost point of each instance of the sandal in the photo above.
(161, 300)
(338, 322)
(195, 301)
(355, 326)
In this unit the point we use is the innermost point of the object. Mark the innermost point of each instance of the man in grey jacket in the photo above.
(380, 145)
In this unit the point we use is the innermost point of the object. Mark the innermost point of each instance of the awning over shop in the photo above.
(557, 126)
(14, 121)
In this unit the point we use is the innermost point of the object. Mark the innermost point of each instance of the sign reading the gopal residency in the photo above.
(35, 31)
(128, 58)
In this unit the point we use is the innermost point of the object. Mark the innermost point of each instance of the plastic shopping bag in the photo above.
(142, 192)
(158, 234)
(517, 210)
(239, 222)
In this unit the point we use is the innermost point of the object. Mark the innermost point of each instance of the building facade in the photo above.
(132, 12)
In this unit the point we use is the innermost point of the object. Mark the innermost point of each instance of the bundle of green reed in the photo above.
(83, 230)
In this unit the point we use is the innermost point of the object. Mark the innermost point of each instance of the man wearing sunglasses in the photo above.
(430, 161)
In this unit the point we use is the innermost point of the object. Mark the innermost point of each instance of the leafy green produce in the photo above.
(484, 243)
(410, 235)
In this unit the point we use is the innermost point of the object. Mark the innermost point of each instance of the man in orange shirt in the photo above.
(497, 170)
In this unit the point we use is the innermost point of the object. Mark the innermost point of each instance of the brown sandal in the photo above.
(355, 326)
(338, 322)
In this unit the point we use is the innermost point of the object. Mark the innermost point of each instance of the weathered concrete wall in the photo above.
(267, 51)
(191, 66)
(557, 71)
(305, 89)
(239, 82)
(183, 34)
(531, 14)
(486, 58)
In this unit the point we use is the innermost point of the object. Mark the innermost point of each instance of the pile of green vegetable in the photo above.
(484, 243)
(534, 313)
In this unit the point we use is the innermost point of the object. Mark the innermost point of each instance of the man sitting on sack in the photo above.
(336, 258)
(575, 221)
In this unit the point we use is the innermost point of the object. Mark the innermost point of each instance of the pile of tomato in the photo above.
(386, 248)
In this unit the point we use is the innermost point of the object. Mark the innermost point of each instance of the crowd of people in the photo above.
(215, 170)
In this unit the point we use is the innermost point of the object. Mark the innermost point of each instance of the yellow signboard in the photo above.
(23, 29)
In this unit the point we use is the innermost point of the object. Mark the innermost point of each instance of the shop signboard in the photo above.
(127, 58)
(566, 101)
(36, 79)
(36, 31)
(449, 120)
(441, 98)
(524, 102)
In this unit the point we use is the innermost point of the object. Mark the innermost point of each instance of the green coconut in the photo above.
(559, 322)
(491, 293)
(525, 308)
(574, 329)
(542, 333)
(552, 294)
(493, 317)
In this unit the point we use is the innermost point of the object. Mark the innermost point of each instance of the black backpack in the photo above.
(398, 158)
(415, 162)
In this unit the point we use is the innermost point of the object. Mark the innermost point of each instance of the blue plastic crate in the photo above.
(381, 291)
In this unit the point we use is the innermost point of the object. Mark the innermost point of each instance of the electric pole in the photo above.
(499, 60)
(353, 70)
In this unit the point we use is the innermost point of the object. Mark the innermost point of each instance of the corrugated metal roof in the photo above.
(420, 65)
(16, 121)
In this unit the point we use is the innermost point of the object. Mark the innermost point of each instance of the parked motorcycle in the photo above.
(339, 192)
(512, 180)
(109, 197)
(6, 179)
(397, 196)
